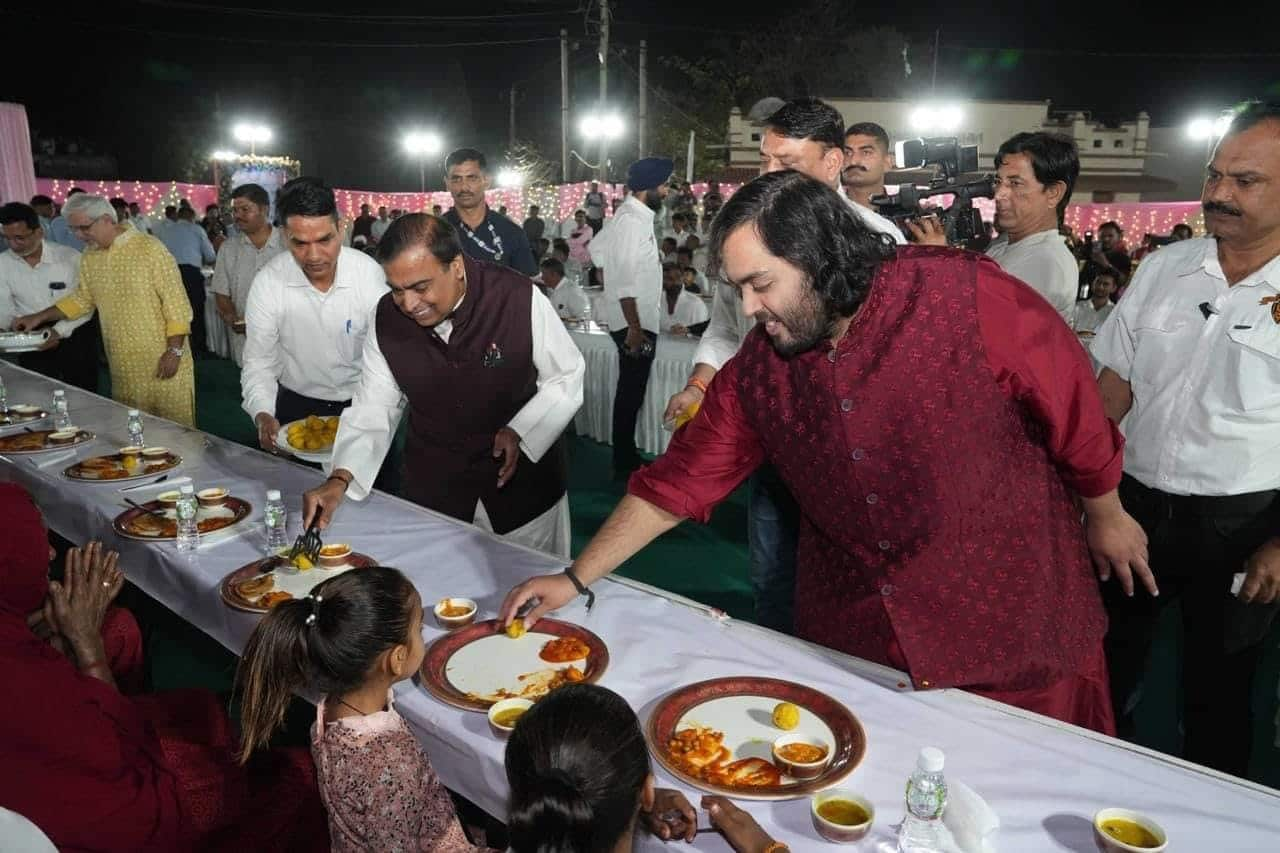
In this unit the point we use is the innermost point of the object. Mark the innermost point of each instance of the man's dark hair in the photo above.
(533, 208)
(671, 240)
(1183, 228)
(809, 225)
(306, 196)
(464, 155)
(560, 244)
(685, 250)
(16, 211)
(254, 193)
(552, 264)
(1252, 114)
(117, 201)
(420, 229)
(40, 199)
(170, 211)
(1111, 223)
(808, 118)
(678, 217)
(186, 214)
(869, 128)
(1053, 157)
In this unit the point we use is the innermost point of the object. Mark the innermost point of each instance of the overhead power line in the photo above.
(178, 5)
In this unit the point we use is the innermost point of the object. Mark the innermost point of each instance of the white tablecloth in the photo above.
(671, 368)
(1043, 778)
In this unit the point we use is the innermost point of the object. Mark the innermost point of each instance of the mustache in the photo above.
(1219, 207)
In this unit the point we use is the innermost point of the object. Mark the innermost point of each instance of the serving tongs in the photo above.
(308, 544)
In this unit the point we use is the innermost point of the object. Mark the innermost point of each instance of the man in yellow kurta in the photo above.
(133, 282)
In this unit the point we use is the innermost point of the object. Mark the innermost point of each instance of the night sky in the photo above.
(158, 84)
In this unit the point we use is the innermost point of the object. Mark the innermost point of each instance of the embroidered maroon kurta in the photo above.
(934, 452)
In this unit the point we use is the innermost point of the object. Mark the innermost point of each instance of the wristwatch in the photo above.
(176, 351)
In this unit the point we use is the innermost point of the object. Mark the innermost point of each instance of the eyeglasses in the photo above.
(83, 229)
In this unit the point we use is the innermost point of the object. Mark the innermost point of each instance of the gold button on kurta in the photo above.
(136, 288)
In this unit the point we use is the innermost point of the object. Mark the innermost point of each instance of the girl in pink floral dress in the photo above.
(354, 637)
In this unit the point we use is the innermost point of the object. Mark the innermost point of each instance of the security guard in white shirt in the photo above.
(1191, 369)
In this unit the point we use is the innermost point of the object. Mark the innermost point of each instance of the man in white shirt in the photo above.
(867, 157)
(490, 377)
(1191, 363)
(306, 317)
(691, 274)
(698, 254)
(807, 135)
(628, 254)
(34, 274)
(1090, 313)
(241, 257)
(682, 313)
(1035, 174)
(680, 231)
(380, 225)
(564, 292)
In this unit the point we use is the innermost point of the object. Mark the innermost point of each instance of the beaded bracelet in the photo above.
(776, 847)
(695, 382)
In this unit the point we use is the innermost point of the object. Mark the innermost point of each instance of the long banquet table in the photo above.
(672, 363)
(1044, 779)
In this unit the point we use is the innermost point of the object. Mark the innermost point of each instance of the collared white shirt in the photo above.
(680, 236)
(1043, 261)
(379, 228)
(690, 310)
(308, 341)
(239, 262)
(568, 298)
(1205, 418)
(628, 253)
(369, 425)
(1086, 318)
(24, 289)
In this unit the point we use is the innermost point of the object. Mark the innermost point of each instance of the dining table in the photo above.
(1043, 778)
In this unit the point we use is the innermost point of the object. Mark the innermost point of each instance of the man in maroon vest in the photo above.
(936, 421)
(491, 378)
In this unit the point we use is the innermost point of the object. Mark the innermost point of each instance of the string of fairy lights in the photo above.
(560, 201)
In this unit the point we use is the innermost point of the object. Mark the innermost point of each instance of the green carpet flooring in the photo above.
(704, 562)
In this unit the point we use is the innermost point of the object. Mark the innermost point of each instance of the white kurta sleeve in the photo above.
(721, 340)
(368, 425)
(221, 281)
(260, 375)
(560, 369)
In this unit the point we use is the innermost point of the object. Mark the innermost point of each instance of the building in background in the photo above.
(1113, 160)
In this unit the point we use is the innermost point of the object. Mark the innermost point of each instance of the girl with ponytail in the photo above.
(354, 637)
(578, 769)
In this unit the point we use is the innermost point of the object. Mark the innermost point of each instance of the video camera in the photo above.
(961, 222)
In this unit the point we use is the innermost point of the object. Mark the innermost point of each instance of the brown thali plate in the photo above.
(297, 585)
(473, 667)
(37, 441)
(9, 417)
(135, 523)
(113, 468)
(742, 708)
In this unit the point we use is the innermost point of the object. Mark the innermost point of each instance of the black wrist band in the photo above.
(582, 590)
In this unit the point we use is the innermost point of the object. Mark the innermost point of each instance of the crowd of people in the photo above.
(1027, 454)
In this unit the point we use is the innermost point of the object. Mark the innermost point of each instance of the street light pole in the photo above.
(604, 86)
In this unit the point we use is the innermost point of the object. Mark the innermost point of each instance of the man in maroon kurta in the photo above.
(936, 420)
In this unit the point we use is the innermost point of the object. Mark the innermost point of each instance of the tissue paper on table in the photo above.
(969, 819)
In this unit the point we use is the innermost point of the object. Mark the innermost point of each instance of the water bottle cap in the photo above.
(59, 393)
(931, 760)
(187, 490)
(133, 413)
(273, 494)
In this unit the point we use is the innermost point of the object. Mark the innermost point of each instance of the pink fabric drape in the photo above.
(17, 169)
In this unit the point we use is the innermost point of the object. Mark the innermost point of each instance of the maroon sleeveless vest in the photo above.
(462, 393)
(936, 528)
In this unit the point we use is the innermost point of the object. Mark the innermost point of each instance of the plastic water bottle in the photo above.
(135, 429)
(276, 519)
(926, 800)
(4, 397)
(188, 531)
(61, 414)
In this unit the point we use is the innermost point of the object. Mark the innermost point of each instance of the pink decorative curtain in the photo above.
(17, 170)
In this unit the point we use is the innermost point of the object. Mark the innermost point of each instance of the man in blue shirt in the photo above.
(485, 235)
(190, 247)
(60, 232)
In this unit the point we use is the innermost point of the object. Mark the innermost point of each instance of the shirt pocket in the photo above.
(1255, 366)
(353, 334)
(1159, 348)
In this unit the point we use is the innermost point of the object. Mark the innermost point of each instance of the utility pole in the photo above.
(604, 87)
(511, 122)
(937, 41)
(564, 106)
(642, 125)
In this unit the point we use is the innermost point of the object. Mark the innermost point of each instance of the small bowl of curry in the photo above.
(841, 815)
(801, 756)
(453, 613)
(1125, 831)
(504, 715)
(334, 556)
